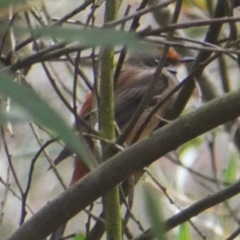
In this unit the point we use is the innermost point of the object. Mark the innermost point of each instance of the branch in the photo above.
(124, 164)
(111, 200)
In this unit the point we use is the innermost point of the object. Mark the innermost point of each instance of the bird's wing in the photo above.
(129, 93)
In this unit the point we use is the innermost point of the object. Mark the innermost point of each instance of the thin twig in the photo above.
(47, 156)
(139, 13)
(197, 23)
(30, 175)
(9, 158)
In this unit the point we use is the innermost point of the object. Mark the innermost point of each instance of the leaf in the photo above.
(154, 214)
(80, 236)
(230, 174)
(4, 3)
(20, 4)
(103, 37)
(194, 143)
(44, 114)
(184, 232)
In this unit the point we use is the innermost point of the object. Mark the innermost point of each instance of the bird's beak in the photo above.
(186, 59)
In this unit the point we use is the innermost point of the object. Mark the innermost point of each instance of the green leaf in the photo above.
(4, 3)
(184, 232)
(80, 236)
(231, 170)
(44, 114)
(193, 143)
(103, 37)
(154, 213)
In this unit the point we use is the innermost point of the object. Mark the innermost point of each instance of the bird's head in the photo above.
(152, 59)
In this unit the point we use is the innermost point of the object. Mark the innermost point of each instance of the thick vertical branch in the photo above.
(107, 129)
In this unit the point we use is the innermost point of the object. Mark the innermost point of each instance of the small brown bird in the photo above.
(133, 82)
(134, 79)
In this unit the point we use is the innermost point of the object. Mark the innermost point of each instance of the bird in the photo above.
(134, 79)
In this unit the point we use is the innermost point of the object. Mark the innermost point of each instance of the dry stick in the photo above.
(138, 14)
(88, 223)
(74, 12)
(9, 158)
(52, 166)
(7, 185)
(36, 57)
(30, 175)
(123, 53)
(126, 13)
(91, 15)
(136, 157)
(77, 70)
(197, 23)
(4, 197)
(80, 72)
(6, 33)
(210, 48)
(74, 91)
(119, 21)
